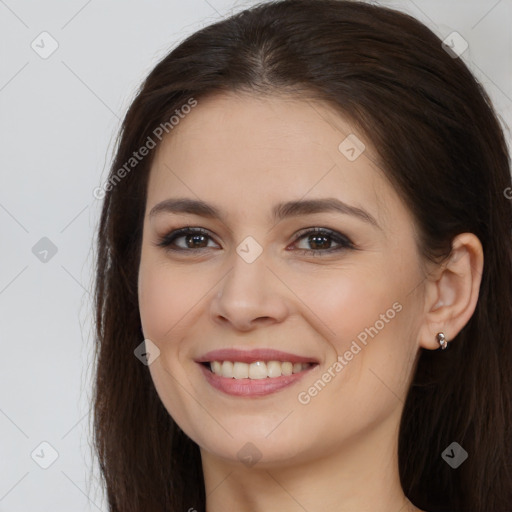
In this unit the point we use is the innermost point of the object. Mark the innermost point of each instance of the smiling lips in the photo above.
(253, 372)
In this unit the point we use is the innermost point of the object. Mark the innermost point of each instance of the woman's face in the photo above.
(344, 301)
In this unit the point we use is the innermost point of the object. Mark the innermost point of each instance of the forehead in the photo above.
(251, 152)
(275, 128)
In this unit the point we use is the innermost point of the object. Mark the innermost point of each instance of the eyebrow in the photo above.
(279, 212)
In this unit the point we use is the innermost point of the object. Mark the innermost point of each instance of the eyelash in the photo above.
(343, 241)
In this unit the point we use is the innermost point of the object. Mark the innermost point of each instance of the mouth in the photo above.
(255, 372)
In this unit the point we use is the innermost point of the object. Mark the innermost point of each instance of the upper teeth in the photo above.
(256, 370)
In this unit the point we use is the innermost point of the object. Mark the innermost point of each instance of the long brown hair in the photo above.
(442, 147)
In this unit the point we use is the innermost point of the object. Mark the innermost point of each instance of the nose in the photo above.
(249, 295)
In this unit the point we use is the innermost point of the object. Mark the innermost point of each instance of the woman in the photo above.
(306, 208)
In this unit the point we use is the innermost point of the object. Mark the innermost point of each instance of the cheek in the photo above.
(348, 301)
(354, 304)
(166, 299)
(157, 304)
(166, 296)
(371, 301)
(367, 316)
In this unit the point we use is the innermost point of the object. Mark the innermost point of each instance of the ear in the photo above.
(451, 291)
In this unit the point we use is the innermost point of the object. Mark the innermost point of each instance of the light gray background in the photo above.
(58, 120)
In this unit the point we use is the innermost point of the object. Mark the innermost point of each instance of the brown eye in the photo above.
(320, 240)
(193, 239)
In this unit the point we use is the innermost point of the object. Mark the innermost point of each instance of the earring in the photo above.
(441, 340)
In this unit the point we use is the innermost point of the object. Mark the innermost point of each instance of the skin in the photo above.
(338, 452)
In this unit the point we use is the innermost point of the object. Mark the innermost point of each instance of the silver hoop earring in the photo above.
(441, 340)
